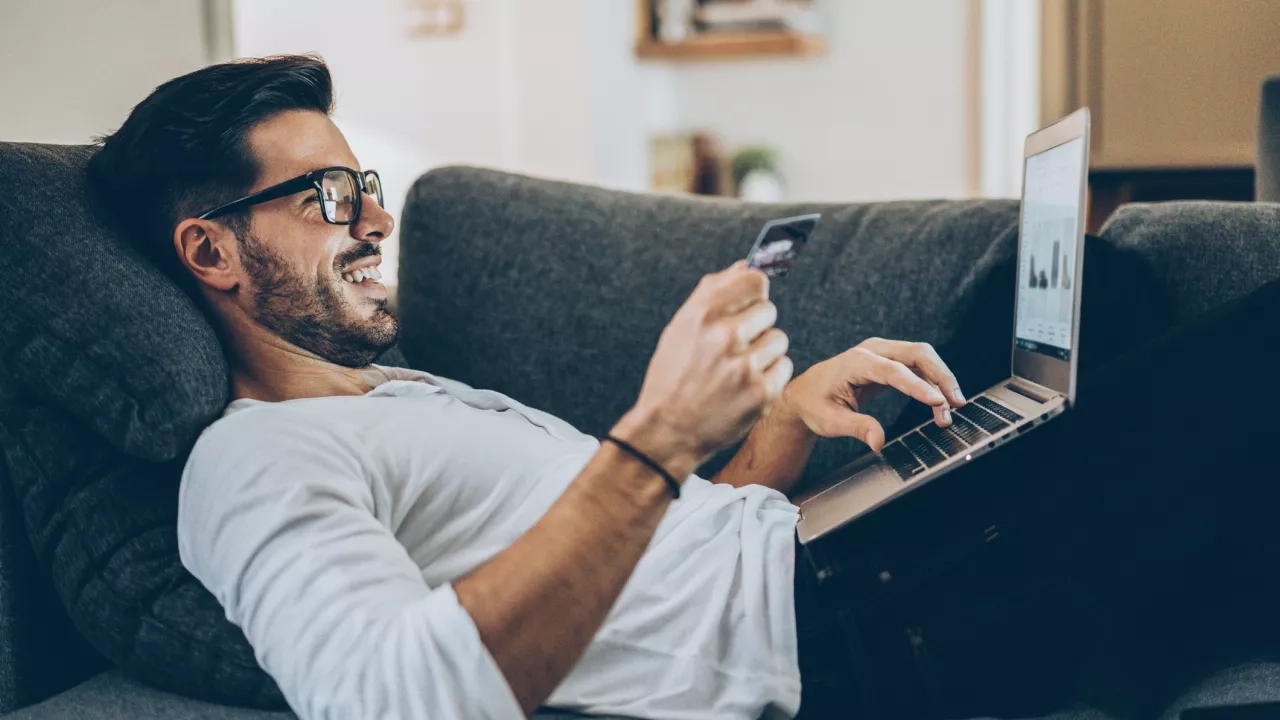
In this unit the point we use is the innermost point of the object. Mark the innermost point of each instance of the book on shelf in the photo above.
(798, 16)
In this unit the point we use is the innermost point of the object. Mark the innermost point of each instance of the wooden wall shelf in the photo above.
(722, 46)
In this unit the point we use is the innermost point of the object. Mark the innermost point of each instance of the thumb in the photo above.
(855, 425)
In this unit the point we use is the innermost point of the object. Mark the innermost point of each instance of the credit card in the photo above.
(779, 243)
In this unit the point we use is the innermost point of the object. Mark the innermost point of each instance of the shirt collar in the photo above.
(381, 379)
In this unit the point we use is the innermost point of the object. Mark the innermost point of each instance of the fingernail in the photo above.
(946, 415)
(960, 397)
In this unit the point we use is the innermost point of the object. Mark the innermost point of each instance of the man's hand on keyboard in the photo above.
(827, 397)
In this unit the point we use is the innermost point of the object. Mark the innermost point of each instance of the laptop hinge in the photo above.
(1032, 391)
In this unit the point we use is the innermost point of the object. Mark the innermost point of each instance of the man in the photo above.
(399, 545)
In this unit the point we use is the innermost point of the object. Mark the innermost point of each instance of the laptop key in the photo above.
(901, 460)
(921, 448)
(945, 440)
(970, 433)
(995, 407)
(980, 417)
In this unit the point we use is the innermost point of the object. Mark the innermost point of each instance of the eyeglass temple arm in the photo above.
(288, 187)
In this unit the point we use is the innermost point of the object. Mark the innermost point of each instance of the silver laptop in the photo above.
(1042, 382)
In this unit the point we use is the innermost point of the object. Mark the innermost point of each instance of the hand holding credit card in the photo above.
(780, 242)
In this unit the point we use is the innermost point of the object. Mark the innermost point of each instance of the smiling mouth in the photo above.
(371, 274)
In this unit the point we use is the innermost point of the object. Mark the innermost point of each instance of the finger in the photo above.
(847, 423)
(753, 325)
(712, 282)
(924, 358)
(739, 289)
(941, 413)
(768, 349)
(898, 376)
(776, 377)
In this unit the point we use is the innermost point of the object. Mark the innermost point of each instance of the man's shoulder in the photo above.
(269, 435)
(267, 423)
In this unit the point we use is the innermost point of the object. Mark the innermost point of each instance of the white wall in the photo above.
(71, 69)
(884, 114)
(552, 88)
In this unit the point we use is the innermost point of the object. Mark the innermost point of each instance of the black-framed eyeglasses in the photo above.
(339, 190)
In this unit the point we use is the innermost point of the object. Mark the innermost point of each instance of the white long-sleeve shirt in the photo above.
(331, 528)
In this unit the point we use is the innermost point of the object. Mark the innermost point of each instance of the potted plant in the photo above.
(755, 174)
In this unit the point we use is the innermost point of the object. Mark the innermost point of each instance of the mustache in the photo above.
(359, 252)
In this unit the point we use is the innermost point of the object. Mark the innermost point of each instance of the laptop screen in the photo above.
(1048, 237)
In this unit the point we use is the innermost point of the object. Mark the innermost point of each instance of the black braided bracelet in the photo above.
(627, 448)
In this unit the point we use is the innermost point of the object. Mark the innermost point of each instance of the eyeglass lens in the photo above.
(373, 186)
(339, 192)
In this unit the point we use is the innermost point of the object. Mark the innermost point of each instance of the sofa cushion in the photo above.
(111, 696)
(88, 324)
(1246, 683)
(40, 652)
(556, 293)
(107, 374)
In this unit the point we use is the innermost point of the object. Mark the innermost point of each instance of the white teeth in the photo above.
(373, 272)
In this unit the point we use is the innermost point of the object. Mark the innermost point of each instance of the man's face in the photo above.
(296, 265)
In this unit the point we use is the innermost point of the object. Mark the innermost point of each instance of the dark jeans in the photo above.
(1143, 536)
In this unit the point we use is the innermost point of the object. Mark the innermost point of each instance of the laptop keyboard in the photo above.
(967, 431)
(998, 409)
(901, 460)
(930, 445)
(921, 448)
(984, 419)
(948, 442)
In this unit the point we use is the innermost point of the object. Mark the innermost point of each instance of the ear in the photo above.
(210, 251)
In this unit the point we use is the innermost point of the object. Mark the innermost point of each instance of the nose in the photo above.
(374, 224)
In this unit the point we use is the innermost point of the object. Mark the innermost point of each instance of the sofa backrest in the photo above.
(1203, 253)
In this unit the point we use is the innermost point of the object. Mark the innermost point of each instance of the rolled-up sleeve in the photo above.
(282, 528)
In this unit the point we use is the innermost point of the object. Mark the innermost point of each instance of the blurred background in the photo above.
(804, 100)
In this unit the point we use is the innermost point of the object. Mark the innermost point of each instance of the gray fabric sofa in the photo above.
(550, 292)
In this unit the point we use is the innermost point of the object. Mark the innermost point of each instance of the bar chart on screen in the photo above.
(1045, 298)
(1048, 244)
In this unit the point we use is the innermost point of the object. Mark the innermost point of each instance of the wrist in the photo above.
(785, 412)
(647, 432)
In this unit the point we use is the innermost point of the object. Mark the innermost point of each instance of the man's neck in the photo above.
(269, 369)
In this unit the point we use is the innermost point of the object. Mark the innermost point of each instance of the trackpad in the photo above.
(868, 483)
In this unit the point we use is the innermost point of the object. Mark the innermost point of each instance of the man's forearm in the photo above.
(538, 603)
(774, 453)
